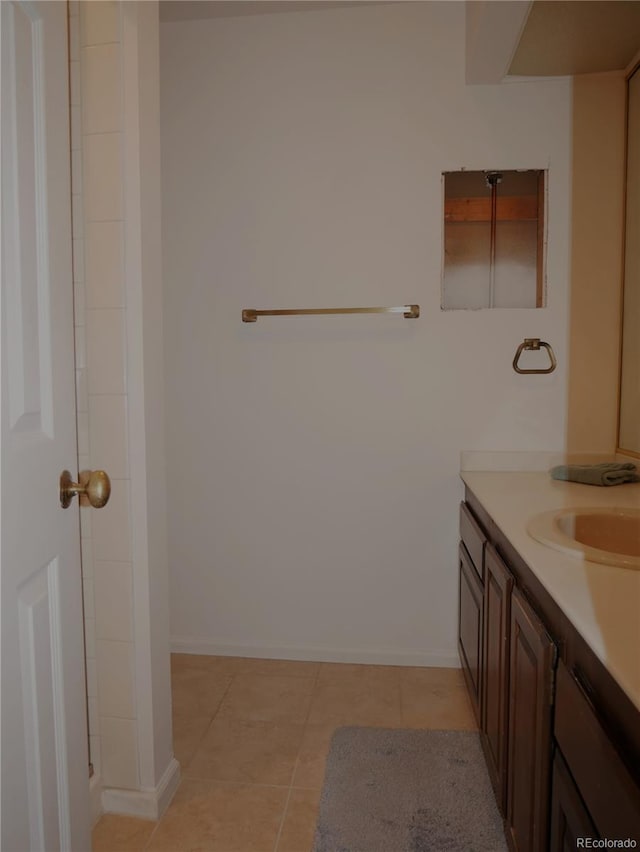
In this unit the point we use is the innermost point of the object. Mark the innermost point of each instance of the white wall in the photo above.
(313, 462)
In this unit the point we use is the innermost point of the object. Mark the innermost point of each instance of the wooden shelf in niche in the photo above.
(508, 209)
(494, 239)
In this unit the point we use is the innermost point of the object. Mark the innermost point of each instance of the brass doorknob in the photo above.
(93, 489)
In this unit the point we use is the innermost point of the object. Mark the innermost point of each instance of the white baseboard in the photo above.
(315, 653)
(95, 798)
(147, 804)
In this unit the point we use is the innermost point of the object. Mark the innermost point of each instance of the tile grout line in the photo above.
(225, 783)
(289, 787)
(211, 721)
(282, 819)
(295, 765)
(182, 776)
(155, 828)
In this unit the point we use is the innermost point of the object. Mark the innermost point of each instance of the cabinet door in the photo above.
(531, 661)
(596, 760)
(470, 628)
(495, 690)
(569, 816)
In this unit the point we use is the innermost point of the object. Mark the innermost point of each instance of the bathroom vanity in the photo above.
(550, 650)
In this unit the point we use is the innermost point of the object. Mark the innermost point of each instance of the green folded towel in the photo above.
(608, 473)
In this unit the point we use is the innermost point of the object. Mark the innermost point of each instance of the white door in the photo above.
(45, 781)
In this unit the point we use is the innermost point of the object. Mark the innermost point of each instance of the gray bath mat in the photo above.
(407, 791)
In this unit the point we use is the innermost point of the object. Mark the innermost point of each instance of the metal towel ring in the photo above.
(534, 343)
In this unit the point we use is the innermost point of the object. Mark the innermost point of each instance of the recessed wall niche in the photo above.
(494, 236)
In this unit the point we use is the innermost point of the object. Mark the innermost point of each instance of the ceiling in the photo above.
(559, 37)
(577, 37)
(186, 10)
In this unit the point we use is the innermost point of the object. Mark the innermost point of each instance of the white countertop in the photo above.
(601, 601)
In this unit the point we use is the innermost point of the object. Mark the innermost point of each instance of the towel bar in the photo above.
(408, 311)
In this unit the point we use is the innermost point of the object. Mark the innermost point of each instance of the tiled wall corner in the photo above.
(115, 665)
(120, 752)
(102, 25)
(111, 527)
(105, 351)
(95, 73)
(100, 88)
(113, 584)
(104, 265)
(102, 159)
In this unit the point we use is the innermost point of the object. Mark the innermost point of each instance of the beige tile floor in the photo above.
(252, 737)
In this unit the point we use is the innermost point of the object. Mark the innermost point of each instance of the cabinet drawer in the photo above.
(474, 539)
(606, 786)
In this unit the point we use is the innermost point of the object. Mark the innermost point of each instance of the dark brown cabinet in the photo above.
(507, 659)
(531, 661)
(495, 694)
(610, 794)
(569, 816)
(560, 738)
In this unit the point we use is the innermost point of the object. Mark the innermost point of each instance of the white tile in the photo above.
(113, 583)
(90, 638)
(78, 303)
(106, 351)
(87, 596)
(76, 171)
(86, 523)
(108, 434)
(76, 128)
(74, 83)
(104, 247)
(92, 678)
(83, 432)
(101, 89)
(102, 178)
(78, 260)
(94, 717)
(81, 349)
(95, 754)
(82, 392)
(99, 22)
(74, 40)
(116, 678)
(77, 221)
(119, 743)
(111, 526)
(86, 548)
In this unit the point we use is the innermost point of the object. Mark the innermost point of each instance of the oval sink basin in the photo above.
(608, 536)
